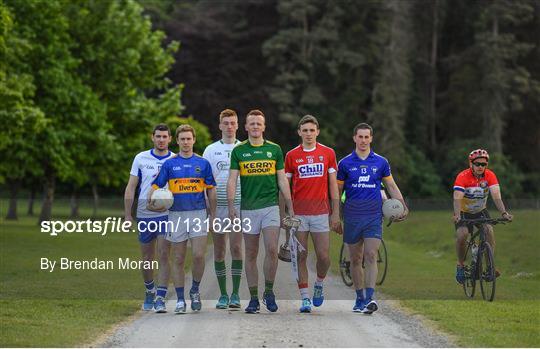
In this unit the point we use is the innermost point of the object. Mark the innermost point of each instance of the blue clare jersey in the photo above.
(187, 179)
(361, 181)
(146, 166)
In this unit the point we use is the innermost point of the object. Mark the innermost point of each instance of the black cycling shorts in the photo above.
(464, 215)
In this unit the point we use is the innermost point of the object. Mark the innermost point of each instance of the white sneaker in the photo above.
(180, 307)
(370, 307)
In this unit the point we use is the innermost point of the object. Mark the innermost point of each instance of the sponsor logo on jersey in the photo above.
(257, 167)
(299, 161)
(223, 165)
(246, 155)
(149, 167)
(186, 185)
(217, 153)
(311, 170)
(363, 178)
(177, 168)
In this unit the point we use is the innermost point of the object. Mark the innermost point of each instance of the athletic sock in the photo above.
(161, 291)
(369, 293)
(269, 287)
(179, 293)
(221, 273)
(319, 281)
(236, 271)
(304, 291)
(149, 285)
(360, 294)
(195, 286)
(254, 292)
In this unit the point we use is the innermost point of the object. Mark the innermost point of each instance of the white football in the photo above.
(162, 198)
(392, 208)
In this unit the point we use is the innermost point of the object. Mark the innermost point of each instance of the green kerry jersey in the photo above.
(258, 166)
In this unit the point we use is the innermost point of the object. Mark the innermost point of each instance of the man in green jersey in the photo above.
(259, 163)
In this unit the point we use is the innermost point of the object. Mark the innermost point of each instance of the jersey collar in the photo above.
(370, 155)
(159, 157)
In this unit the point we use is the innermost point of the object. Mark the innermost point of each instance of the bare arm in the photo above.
(212, 200)
(335, 200)
(231, 192)
(458, 196)
(283, 184)
(495, 191)
(282, 206)
(129, 197)
(395, 193)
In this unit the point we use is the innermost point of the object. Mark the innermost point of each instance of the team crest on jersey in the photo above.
(269, 154)
(311, 170)
(483, 184)
(197, 169)
(374, 169)
(321, 158)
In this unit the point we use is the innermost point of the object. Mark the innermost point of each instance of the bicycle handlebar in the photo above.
(491, 221)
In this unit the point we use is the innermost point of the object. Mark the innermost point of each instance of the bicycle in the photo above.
(345, 264)
(479, 264)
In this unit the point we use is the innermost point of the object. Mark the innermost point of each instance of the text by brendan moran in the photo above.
(96, 264)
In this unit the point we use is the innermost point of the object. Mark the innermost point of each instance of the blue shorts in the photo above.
(148, 232)
(368, 227)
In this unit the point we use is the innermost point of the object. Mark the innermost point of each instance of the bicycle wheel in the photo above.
(382, 263)
(471, 271)
(345, 265)
(486, 265)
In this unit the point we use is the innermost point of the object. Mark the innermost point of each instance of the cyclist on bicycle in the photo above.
(471, 190)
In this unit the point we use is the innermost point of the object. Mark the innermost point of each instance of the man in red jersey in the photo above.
(311, 169)
(471, 190)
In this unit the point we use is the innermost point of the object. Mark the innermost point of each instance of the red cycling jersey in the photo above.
(476, 189)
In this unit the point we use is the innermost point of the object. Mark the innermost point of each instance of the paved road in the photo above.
(332, 325)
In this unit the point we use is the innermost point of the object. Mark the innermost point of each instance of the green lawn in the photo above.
(38, 308)
(422, 262)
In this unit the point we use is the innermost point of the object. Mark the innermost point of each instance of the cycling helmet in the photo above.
(478, 153)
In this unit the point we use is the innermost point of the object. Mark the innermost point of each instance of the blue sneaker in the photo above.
(371, 307)
(148, 301)
(359, 305)
(234, 303)
(159, 305)
(269, 299)
(318, 297)
(196, 304)
(306, 306)
(223, 302)
(253, 306)
(460, 274)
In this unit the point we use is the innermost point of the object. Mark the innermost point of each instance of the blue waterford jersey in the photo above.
(362, 184)
(187, 180)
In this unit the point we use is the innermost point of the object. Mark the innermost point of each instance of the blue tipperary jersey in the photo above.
(187, 180)
(361, 181)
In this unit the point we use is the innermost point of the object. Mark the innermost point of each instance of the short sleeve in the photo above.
(342, 172)
(206, 154)
(459, 183)
(279, 158)
(235, 165)
(332, 165)
(208, 176)
(289, 169)
(386, 169)
(162, 177)
(491, 178)
(135, 167)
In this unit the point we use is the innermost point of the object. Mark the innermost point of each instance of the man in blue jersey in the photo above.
(188, 176)
(144, 170)
(360, 175)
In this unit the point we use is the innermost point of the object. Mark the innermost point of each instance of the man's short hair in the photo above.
(255, 112)
(184, 128)
(161, 127)
(363, 126)
(306, 119)
(227, 113)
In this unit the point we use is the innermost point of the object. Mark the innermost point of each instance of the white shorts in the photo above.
(254, 221)
(314, 223)
(222, 217)
(185, 225)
